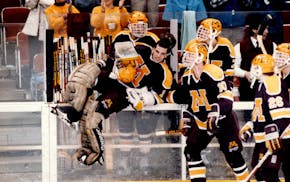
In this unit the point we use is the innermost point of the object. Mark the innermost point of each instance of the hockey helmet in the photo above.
(194, 53)
(282, 55)
(261, 64)
(138, 24)
(208, 28)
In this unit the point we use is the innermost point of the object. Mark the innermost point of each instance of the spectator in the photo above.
(174, 9)
(108, 20)
(231, 14)
(56, 15)
(245, 51)
(274, 8)
(149, 6)
(86, 5)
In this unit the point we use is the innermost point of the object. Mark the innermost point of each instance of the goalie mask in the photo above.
(262, 64)
(282, 55)
(138, 24)
(208, 29)
(126, 60)
(195, 52)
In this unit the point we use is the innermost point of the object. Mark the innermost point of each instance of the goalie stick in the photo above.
(265, 157)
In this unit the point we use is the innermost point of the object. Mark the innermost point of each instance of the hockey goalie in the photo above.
(85, 110)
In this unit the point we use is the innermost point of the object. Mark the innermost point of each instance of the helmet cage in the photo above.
(281, 59)
(139, 29)
(203, 33)
(190, 59)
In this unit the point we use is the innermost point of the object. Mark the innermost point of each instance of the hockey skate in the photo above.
(68, 115)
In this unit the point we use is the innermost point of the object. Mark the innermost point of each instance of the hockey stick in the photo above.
(260, 31)
(267, 154)
(167, 132)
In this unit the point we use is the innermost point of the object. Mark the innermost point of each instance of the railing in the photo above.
(49, 146)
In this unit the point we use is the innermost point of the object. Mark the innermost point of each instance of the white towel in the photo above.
(188, 28)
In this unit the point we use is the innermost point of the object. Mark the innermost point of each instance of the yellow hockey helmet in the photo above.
(194, 52)
(138, 24)
(265, 62)
(208, 28)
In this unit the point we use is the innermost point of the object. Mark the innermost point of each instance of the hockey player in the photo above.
(221, 50)
(270, 118)
(282, 60)
(114, 85)
(138, 32)
(143, 123)
(209, 113)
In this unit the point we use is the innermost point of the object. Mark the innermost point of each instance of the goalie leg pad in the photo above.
(92, 142)
(87, 157)
(92, 139)
(80, 81)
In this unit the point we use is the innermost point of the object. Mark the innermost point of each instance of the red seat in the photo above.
(9, 3)
(13, 19)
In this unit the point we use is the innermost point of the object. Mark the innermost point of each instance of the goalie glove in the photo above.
(246, 131)
(272, 138)
(213, 119)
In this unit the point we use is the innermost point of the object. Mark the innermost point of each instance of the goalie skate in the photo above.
(68, 115)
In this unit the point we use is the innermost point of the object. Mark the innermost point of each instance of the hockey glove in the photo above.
(272, 139)
(140, 97)
(246, 131)
(213, 119)
(185, 126)
(135, 99)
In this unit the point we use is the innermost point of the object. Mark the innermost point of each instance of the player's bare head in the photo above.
(282, 55)
(138, 24)
(209, 28)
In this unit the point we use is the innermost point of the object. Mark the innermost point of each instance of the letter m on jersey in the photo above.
(199, 99)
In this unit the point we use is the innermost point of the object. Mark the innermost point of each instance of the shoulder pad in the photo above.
(226, 42)
(215, 72)
(168, 77)
(273, 85)
(153, 35)
(123, 32)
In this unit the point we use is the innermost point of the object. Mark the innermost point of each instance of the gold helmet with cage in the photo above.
(282, 55)
(261, 64)
(138, 24)
(194, 53)
(209, 28)
(264, 62)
